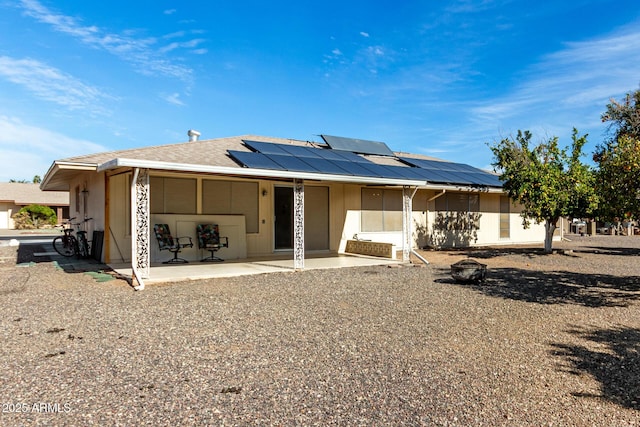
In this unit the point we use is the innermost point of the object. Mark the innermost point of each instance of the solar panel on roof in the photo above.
(299, 151)
(327, 166)
(407, 172)
(351, 157)
(268, 155)
(382, 171)
(330, 154)
(292, 163)
(357, 145)
(436, 176)
(356, 169)
(454, 173)
(254, 160)
(264, 147)
(488, 179)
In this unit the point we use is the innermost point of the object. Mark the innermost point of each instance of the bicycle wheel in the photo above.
(83, 248)
(83, 244)
(65, 245)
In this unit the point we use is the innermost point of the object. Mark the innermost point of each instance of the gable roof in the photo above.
(23, 194)
(214, 156)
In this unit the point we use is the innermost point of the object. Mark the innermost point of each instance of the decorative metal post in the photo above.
(140, 254)
(407, 209)
(298, 227)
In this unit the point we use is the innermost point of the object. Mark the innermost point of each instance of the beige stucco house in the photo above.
(16, 195)
(274, 195)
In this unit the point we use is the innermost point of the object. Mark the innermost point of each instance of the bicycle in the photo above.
(69, 245)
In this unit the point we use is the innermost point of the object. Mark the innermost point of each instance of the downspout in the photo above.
(134, 233)
(420, 257)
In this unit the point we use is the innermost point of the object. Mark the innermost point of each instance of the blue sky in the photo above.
(442, 78)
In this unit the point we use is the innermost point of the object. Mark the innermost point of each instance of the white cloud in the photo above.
(189, 44)
(565, 85)
(30, 150)
(169, 11)
(139, 52)
(174, 99)
(336, 52)
(363, 34)
(51, 84)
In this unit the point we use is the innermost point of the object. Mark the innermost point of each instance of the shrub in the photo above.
(22, 221)
(38, 216)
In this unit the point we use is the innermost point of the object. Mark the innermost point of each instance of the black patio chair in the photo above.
(210, 240)
(172, 244)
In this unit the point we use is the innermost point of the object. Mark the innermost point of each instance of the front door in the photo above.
(283, 209)
(316, 216)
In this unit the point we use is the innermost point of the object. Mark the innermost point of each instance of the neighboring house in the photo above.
(16, 195)
(272, 195)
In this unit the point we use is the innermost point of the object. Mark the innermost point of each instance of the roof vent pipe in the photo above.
(193, 135)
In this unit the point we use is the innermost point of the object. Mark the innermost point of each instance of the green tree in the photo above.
(618, 160)
(618, 178)
(547, 181)
(39, 214)
(624, 116)
(36, 180)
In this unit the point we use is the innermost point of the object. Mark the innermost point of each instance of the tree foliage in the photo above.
(624, 116)
(618, 160)
(547, 181)
(38, 215)
(36, 180)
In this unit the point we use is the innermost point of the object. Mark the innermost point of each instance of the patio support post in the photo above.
(298, 224)
(407, 219)
(140, 254)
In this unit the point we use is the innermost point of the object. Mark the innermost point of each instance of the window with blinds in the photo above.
(505, 225)
(381, 210)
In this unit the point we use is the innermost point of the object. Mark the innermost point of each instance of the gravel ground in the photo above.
(546, 340)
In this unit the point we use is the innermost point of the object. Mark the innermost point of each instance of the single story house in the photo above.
(16, 195)
(273, 195)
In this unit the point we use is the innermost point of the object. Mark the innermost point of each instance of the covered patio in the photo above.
(162, 273)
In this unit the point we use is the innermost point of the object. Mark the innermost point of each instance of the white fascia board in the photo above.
(267, 173)
(463, 188)
(61, 165)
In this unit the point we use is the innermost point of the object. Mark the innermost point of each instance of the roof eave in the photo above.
(266, 173)
(58, 166)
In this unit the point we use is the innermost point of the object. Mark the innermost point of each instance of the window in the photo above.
(381, 210)
(462, 208)
(504, 217)
(77, 197)
(173, 195)
(232, 198)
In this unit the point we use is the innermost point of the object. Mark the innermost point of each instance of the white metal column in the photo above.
(298, 224)
(407, 221)
(140, 254)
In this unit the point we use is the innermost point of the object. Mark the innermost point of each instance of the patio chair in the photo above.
(169, 243)
(210, 240)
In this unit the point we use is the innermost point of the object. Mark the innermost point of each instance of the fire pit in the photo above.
(469, 270)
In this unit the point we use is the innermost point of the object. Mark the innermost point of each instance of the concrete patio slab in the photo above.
(160, 273)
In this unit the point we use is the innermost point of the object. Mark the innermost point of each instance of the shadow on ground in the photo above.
(35, 253)
(615, 365)
(557, 287)
(528, 252)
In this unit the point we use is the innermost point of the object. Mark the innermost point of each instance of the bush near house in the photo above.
(34, 216)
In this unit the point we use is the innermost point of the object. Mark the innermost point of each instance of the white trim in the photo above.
(61, 165)
(267, 173)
